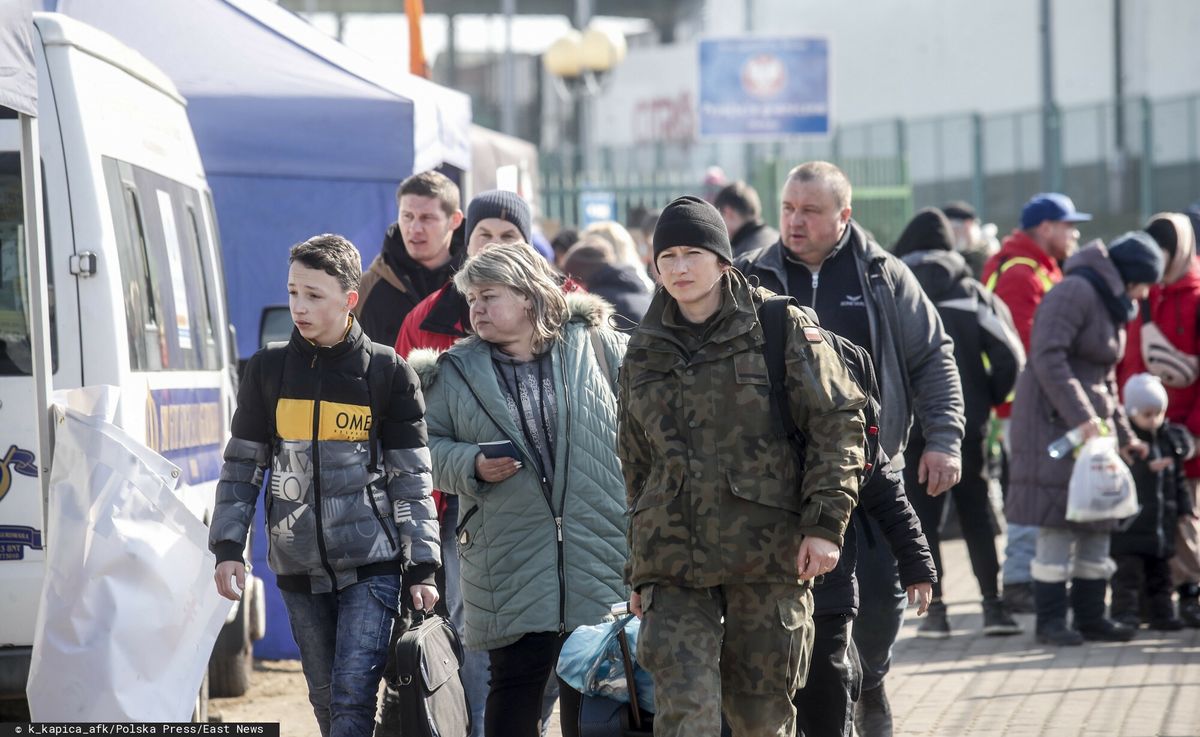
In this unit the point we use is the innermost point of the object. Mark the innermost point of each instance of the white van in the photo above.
(136, 300)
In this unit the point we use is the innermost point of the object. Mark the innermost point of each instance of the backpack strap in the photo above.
(601, 356)
(270, 376)
(773, 315)
(380, 373)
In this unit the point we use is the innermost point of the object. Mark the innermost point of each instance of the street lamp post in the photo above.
(579, 63)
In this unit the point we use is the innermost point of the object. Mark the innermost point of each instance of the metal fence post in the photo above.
(978, 177)
(1193, 132)
(1146, 168)
(1052, 166)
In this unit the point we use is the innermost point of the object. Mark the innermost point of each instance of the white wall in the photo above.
(924, 58)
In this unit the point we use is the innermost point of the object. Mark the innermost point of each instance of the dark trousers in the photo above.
(519, 675)
(1137, 574)
(881, 602)
(975, 515)
(824, 705)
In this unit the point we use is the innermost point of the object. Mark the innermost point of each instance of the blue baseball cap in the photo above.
(1052, 206)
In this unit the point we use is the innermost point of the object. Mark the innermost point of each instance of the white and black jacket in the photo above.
(332, 520)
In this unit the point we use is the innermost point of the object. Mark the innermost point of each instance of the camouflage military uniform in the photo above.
(718, 513)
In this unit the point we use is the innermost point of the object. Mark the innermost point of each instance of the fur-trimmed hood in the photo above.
(424, 361)
(588, 309)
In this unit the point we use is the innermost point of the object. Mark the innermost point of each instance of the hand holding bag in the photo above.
(1101, 487)
(432, 700)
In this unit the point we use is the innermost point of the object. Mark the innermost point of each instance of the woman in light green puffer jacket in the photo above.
(541, 536)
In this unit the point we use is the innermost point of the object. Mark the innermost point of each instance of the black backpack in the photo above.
(431, 700)
(773, 315)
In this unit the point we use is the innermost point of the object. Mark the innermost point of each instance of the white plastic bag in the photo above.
(1101, 486)
(129, 612)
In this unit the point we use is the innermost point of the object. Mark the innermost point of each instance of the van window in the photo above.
(170, 312)
(16, 353)
(137, 276)
(209, 328)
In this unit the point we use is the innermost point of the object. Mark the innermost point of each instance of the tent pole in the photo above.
(39, 307)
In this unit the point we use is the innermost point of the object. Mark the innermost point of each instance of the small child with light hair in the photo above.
(1142, 550)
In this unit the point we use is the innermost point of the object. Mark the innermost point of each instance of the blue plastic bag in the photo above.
(590, 662)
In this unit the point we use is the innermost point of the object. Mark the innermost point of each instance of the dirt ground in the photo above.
(277, 694)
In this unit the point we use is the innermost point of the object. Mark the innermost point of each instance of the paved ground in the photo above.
(965, 686)
(1012, 687)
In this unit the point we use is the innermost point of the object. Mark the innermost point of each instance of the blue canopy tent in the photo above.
(298, 136)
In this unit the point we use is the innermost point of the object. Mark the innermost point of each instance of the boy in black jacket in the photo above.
(339, 423)
(1142, 551)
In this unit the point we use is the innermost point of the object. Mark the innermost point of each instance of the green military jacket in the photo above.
(711, 482)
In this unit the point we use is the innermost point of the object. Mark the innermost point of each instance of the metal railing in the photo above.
(1121, 162)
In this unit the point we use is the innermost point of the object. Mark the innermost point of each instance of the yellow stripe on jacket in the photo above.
(294, 420)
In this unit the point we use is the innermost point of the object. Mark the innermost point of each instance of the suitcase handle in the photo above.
(635, 710)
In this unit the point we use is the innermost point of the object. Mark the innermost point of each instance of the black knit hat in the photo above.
(959, 210)
(929, 230)
(690, 221)
(496, 203)
(1138, 257)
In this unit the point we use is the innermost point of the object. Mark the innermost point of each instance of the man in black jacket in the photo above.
(989, 356)
(826, 261)
(417, 257)
(825, 704)
(741, 210)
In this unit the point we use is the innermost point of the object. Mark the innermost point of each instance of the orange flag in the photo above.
(414, 9)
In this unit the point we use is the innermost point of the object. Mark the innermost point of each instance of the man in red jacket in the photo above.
(1021, 273)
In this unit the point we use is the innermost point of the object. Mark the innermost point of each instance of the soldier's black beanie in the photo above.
(496, 203)
(690, 221)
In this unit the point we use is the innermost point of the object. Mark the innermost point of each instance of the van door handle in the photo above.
(84, 263)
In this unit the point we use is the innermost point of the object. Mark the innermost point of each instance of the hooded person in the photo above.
(593, 263)
(1070, 383)
(988, 354)
(1164, 340)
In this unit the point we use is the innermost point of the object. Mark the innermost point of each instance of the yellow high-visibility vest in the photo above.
(1042, 274)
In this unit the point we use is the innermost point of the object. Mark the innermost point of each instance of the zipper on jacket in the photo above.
(1161, 495)
(816, 280)
(316, 465)
(547, 491)
(558, 517)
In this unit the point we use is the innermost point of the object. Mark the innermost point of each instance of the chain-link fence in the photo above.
(1121, 162)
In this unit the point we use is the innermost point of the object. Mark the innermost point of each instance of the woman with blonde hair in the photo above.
(522, 426)
(624, 247)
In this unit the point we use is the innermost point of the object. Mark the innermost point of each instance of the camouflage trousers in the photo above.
(738, 648)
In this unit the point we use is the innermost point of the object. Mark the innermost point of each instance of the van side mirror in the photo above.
(275, 325)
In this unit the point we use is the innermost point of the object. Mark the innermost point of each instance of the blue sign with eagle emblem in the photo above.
(759, 86)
